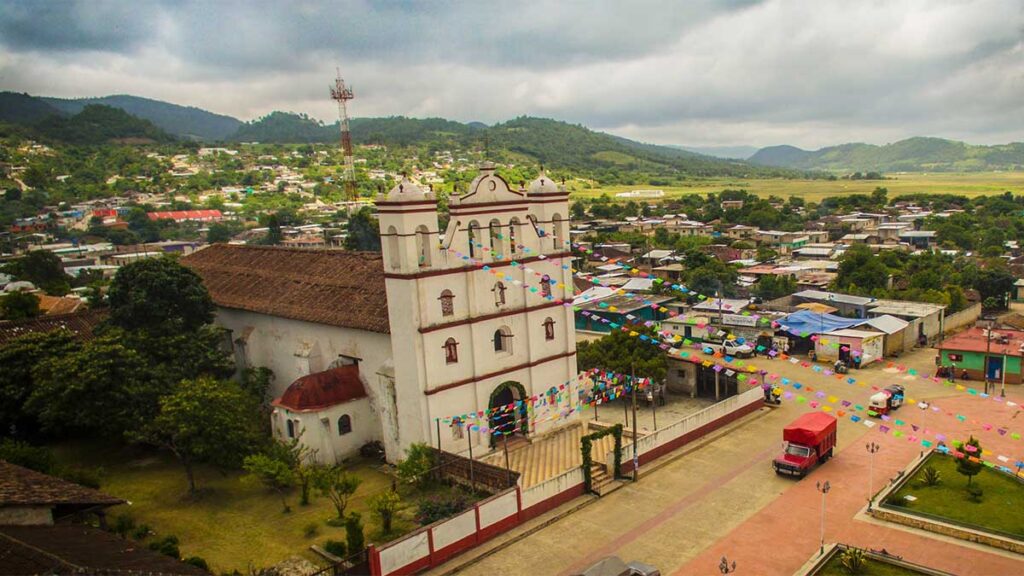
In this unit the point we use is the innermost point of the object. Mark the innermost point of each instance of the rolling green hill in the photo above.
(550, 142)
(24, 109)
(97, 124)
(185, 122)
(910, 155)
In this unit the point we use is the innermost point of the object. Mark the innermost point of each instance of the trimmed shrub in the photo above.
(168, 546)
(975, 494)
(311, 530)
(336, 547)
(436, 508)
(354, 533)
(197, 562)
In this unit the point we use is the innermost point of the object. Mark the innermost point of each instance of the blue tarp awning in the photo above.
(806, 322)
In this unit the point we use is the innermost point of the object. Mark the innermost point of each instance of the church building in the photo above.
(400, 346)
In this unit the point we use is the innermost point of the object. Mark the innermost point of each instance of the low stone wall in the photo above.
(924, 521)
(815, 565)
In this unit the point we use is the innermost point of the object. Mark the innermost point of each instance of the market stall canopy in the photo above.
(806, 322)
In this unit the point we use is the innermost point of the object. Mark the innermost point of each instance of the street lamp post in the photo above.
(725, 568)
(823, 488)
(871, 448)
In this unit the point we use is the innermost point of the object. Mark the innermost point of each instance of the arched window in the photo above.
(549, 329)
(545, 286)
(451, 351)
(344, 424)
(392, 248)
(291, 428)
(497, 240)
(423, 246)
(474, 238)
(512, 225)
(447, 304)
(503, 340)
(499, 294)
(556, 231)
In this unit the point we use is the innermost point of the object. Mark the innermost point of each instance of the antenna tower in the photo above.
(342, 94)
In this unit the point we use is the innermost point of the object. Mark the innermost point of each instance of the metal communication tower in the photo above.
(342, 94)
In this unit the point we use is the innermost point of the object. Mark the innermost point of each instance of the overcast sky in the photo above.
(725, 72)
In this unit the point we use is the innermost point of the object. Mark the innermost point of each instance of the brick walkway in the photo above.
(723, 498)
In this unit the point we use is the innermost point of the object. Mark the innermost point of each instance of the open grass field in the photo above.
(999, 509)
(232, 523)
(969, 184)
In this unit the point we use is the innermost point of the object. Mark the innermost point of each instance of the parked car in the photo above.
(730, 348)
(887, 400)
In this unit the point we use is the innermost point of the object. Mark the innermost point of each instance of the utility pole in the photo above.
(636, 457)
(469, 440)
(654, 404)
(871, 448)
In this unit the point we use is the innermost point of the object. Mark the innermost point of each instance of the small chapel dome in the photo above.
(543, 185)
(407, 191)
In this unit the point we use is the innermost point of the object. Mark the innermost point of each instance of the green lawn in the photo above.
(834, 567)
(966, 183)
(999, 509)
(233, 522)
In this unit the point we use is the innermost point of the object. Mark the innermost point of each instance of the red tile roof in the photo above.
(323, 389)
(973, 340)
(182, 215)
(334, 287)
(23, 487)
(81, 324)
(80, 549)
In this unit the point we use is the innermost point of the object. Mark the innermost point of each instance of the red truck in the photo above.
(810, 439)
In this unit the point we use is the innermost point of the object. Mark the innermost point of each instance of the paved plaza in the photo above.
(721, 496)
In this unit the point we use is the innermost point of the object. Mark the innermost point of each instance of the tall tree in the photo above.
(205, 420)
(19, 306)
(17, 359)
(363, 233)
(159, 295)
(622, 353)
(44, 269)
(103, 388)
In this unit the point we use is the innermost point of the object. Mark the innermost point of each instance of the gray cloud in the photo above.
(702, 73)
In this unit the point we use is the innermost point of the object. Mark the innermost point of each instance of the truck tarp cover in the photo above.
(809, 429)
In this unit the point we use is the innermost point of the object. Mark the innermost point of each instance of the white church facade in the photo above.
(392, 346)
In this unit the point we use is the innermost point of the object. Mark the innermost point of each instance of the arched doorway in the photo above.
(505, 419)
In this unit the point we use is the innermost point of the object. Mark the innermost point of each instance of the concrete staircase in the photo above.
(544, 457)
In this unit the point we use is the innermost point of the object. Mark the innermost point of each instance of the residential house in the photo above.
(995, 355)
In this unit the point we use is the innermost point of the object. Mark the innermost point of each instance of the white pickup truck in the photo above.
(729, 348)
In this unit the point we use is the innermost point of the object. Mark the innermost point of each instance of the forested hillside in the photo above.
(910, 155)
(185, 122)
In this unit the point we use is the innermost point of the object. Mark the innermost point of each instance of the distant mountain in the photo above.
(910, 155)
(24, 109)
(737, 152)
(97, 124)
(186, 122)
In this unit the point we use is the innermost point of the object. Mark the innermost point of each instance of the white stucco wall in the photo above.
(319, 429)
